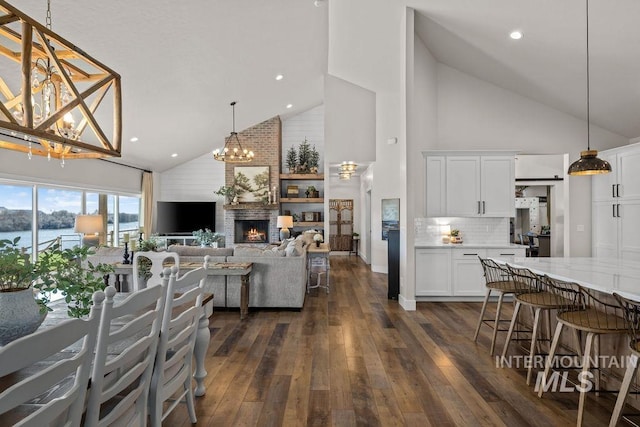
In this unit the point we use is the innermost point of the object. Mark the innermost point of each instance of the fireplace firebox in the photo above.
(251, 231)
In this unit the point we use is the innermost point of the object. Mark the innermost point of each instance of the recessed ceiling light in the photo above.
(516, 35)
(134, 139)
(174, 155)
(289, 105)
(279, 77)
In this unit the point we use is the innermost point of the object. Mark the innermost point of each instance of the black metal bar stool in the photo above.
(586, 314)
(497, 280)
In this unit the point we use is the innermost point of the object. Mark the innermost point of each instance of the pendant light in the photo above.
(232, 152)
(589, 163)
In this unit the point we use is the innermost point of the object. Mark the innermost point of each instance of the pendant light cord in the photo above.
(233, 113)
(588, 95)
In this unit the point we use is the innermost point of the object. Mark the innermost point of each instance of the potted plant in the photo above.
(25, 286)
(318, 239)
(206, 237)
(71, 274)
(314, 160)
(312, 192)
(229, 193)
(20, 312)
(304, 156)
(292, 160)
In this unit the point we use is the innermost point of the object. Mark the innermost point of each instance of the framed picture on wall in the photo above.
(252, 183)
(390, 216)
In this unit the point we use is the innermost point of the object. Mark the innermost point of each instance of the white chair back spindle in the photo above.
(172, 375)
(33, 401)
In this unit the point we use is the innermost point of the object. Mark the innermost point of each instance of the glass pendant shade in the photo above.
(589, 164)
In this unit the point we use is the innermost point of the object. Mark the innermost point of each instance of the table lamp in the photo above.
(283, 223)
(89, 226)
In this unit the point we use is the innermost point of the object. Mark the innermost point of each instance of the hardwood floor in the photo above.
(355, 358)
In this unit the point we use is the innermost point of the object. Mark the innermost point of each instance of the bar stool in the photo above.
(586, 314)
(632, 318)
(535, 294)
(498, 279)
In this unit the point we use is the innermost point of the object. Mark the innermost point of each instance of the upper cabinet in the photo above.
(624, 179)
(615, 209)
(466, 184)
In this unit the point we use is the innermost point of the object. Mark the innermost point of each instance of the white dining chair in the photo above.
(52, 360)
(125, 353)
(157, 260)
(172, 374)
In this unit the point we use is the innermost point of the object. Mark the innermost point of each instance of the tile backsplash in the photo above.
(490, 231)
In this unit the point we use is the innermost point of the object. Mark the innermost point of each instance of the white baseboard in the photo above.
(379, 269)
(407, 304)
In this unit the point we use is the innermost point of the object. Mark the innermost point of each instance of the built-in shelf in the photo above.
(302, 200)
(253, 205)
(308, 224)
(316, 176)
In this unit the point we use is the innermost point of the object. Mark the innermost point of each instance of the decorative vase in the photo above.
(19, 315)
(317, 243)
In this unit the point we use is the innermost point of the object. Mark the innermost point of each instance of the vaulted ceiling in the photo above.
(182, 63)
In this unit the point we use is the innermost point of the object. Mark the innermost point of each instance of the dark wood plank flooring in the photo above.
(355, 358)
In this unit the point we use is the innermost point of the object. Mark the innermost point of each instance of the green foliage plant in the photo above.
(292, 160)
(314, 160)
(304, 156)
(71, 274)
(206, 237)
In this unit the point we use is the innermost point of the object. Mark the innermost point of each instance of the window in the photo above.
(16, 214)
(57, 209)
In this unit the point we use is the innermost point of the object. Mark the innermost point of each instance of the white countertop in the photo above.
(432, 245)
(601, 274)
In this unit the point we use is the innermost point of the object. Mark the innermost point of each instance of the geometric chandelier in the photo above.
(52, 93)
(232, 152)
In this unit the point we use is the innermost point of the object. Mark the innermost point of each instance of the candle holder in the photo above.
(126, 254)
(140, 238)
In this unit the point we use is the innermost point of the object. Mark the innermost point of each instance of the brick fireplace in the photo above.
(265, 139)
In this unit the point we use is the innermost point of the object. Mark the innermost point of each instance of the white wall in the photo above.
(194, 181)
(474, 114)
(310, 125)
(197, 179)
(83, 173)
(371, 53)
(350, 125)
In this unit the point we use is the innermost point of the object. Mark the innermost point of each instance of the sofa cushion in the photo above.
(247, 251)
(183, 250)
(294, 248)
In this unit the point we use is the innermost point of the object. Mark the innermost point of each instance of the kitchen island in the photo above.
(606, 275)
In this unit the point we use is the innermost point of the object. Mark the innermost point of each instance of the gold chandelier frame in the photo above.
(86, 81)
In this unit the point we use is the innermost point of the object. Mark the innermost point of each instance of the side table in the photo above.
(321, 252)
(354, 247)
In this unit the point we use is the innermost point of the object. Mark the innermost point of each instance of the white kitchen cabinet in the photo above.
(456, 272)
(433, 272)
(470, 184)
(497, 186)
(615, 208)
(435, 185)
(467, 272)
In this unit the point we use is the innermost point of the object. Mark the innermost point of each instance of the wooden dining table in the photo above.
(122, 272)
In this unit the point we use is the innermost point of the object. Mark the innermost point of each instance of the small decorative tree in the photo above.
(292, 160)
(314, 160)
(304, 156)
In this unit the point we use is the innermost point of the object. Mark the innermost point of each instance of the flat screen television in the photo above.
(185, 217)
